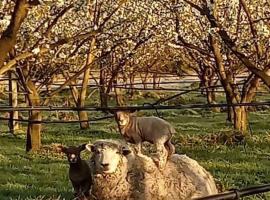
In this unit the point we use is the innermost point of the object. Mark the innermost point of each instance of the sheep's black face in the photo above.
(73, 153)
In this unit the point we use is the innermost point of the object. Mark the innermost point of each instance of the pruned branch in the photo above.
(252, 28)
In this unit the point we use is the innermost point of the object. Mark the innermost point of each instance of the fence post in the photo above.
(13, 102)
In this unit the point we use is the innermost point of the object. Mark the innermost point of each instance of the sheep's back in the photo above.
(183, 178)
(192, 176)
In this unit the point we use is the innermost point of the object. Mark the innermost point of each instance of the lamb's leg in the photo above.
(77, 189)
(86, 188)
(162, 155)
(170, 147)
(138, 148)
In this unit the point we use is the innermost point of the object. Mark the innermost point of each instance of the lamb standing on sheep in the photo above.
(79, 171)
(151, 129)
(119, 174)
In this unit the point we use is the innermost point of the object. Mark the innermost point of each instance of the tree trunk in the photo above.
(74, 91)
(229, 108)
(118, 95)
(33, 136)
(144, 80)
(211, 99)
(132, 81)
(83, 116)
(232, 95)
(248, 93)
(208, 82)
(33, 139)
(154, 81)
(102, 90)
(13, 102)
(240, 118)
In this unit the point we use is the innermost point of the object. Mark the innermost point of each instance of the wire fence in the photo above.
(93, 120)
(132, 108)
(146, 106)
(117, 108)
(237, 194)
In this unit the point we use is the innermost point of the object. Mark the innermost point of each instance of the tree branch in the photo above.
(230, 43)
(8, 38)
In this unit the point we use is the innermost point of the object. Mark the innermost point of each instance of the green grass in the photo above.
(44, 175)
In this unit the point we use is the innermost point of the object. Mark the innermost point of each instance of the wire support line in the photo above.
(56, 122)
(133, 108)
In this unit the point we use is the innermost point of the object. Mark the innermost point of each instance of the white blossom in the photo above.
(36, 50)
(95, 27)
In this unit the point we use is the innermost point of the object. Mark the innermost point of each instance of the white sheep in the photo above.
(152, 129)
(118, 173)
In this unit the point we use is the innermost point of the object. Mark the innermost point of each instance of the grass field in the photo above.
(201, 135)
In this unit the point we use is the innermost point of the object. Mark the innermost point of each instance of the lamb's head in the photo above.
(122, 117)
(72, 152)
(107, 155)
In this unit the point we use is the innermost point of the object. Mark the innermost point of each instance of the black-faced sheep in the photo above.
(79, 171)
(118, 173)
(152, 129)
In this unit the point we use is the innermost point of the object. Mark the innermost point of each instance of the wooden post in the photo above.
(13, 102)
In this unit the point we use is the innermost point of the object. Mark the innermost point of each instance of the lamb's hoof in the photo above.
(92, 197)
(81, 197)
(76, 195)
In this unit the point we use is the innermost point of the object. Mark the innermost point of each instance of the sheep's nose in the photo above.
(105, 164)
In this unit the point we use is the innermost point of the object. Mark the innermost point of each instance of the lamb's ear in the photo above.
(82, 147)
(90, 147)
(125, 151)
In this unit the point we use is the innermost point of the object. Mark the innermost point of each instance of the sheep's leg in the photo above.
(162, 155)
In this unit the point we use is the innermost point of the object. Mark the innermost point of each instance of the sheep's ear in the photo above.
(82, 147)
(125, 151)
(90, 147)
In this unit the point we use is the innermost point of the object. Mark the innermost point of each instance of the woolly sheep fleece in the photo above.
(138, 178)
